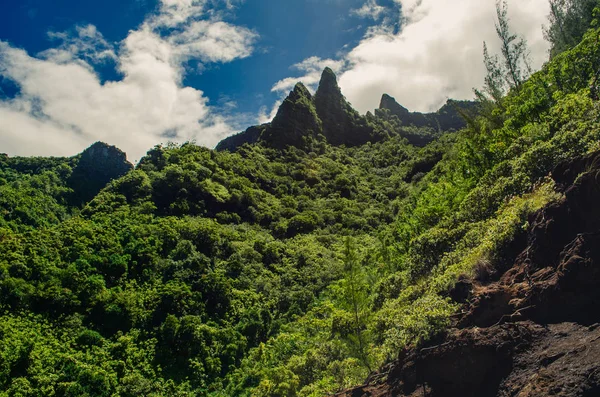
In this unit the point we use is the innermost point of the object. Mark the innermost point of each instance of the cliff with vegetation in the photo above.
(413, 254)
(303, 120)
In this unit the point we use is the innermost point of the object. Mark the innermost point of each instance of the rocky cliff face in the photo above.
(96, 167)
(296, 121)
(532, 329)
(342, 125)
(447, 118)
(302, 118)
(389, 103)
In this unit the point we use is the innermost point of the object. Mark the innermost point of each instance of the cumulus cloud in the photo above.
(437, 53)
(213, 41)
(177, 12)
(310, 73)
(265, 115)
(86, 44)
(62, 106)
(369, 10)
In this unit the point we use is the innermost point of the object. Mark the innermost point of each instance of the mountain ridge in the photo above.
(528, 327)
(466, 266)
(329, 116)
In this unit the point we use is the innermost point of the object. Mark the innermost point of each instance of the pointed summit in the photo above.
(389, 103)
(96, 167)
(328, 85)
(300, 91)
(303, 119)
(295, 120)
(342, 125)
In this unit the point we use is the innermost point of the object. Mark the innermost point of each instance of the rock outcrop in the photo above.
(447, 118)
(96, 167)
(296, 121)
(302, 118)
(532, 330)
(342, 125)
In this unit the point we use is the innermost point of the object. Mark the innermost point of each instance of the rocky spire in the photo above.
(302, 118)
(328, 88)
(96, 167)
(296, 119)
(389, 103)
(342, 125)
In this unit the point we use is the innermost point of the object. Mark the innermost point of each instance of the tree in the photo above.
(355, 301)
(569, 20)
(512, 69)
(514, 49)
(494, 79)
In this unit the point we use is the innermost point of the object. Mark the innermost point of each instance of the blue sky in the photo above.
(290, 32)
(136, 73)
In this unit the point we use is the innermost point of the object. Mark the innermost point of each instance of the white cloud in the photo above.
(437, 54)
(177, 12)
(213, 41)
(265, 115)
(414, 10)
(21, 133)
(63, 107)
(311, 69)
(86, 44)
(369, 10)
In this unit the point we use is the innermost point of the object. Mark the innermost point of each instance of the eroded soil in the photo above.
(533, 329)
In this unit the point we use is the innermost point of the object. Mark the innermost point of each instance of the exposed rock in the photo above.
(250, 136)
(532, 332)
(406, 117)
(447, 118)
(342, 125)
(389, 103)
(295, 121)
(302, 118)
(96, 167)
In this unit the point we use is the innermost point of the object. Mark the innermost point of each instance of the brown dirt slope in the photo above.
(533, 329)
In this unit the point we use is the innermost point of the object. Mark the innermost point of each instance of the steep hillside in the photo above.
(303, 120)
(41, 191)
(308, 252)
(527, 329)
(190, 262)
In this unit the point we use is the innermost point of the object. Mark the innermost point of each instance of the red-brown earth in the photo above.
(531, 329)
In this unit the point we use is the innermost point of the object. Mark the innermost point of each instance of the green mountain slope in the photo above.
(41, 191)
(307, 254)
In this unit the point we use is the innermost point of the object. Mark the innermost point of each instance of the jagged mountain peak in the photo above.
(97, 166)
(300, 90)
(328, 83)
(302, 116)
(447, 118)
(342, 125)
(298, 100)
(295, 120)
(389, 102)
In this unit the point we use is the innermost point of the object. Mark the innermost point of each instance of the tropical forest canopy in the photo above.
(299, 255)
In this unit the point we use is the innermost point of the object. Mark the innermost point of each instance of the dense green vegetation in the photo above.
(271, 271)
